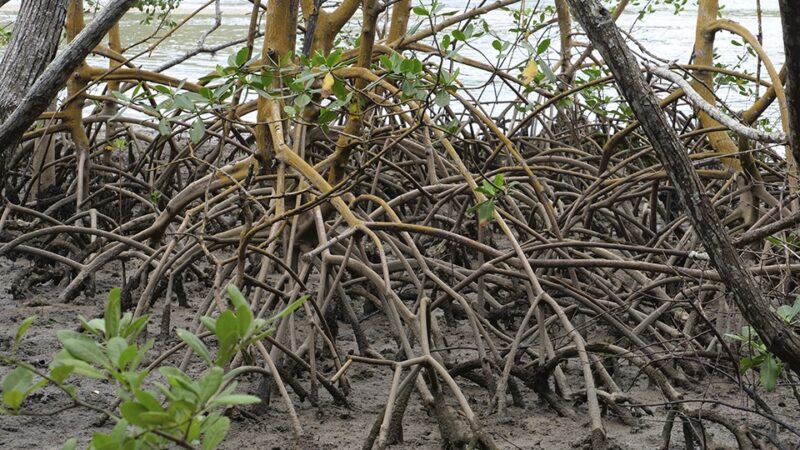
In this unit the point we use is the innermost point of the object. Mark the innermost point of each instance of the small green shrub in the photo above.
(768, 365)
(493, 190)
(185, 411)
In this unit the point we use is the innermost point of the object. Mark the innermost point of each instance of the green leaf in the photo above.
(734, 336)
(113, 313)
(148, 400)
(215, 433)
(197, 131)
(173, 374)
(23, 327)
(302, 100)
(245, 319)
(127, 356)
(133, 330)
(442, 98)
(183, 102)
(242, 56)
(94, 326)
(489, 192)
(101, 441)
(770, 370)
(61, 372)
(227, 324)
(210, 382)
(15, 385)
(291, 308)
(774, 241)
(235, 399)
(543, 46)
(163, 89)
(210, 323)
(71, 444)
(227, 346)
(132, 412)
(488, 188)
(155, 418)
(63, 335)
(386, 62)
(86, 350)
(194, 430)
(327, 116)
(195, 344)
(789, 312)
(237, 299)
(407, 66)
(746, 364)
(164, 127)
(748, 333)
(334, 57)
(76, 366)
(499, 181)
(262, 334)
(13, 399)
(120, 96)
(785, 313)
(417, 65)
(548, 72)
(120, 431)
(140, 354)
(485, 212)
(115, 347)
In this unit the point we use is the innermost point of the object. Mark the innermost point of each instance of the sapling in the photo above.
(154, 412)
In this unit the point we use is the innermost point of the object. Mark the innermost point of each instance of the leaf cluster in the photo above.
(493, 190)
(155, 411)
(768, 365)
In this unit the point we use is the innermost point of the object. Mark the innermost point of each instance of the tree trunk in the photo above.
(401, 12)
(756, 309)
(790, 18)
(46, 87)
(33, 45)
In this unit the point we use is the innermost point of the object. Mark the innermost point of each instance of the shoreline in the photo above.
(182, 10)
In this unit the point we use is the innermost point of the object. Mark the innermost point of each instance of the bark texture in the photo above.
(755, 308)
(53, 78)
(790, 18)
(33, 45)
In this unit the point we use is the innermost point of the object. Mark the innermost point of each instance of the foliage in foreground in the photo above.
(768, 365)
(187, 411)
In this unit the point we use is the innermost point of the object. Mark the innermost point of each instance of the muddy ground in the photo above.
(331, 426)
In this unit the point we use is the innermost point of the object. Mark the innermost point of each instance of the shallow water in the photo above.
(663, 33)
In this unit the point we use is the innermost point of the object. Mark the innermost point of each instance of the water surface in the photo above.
(664, 33)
